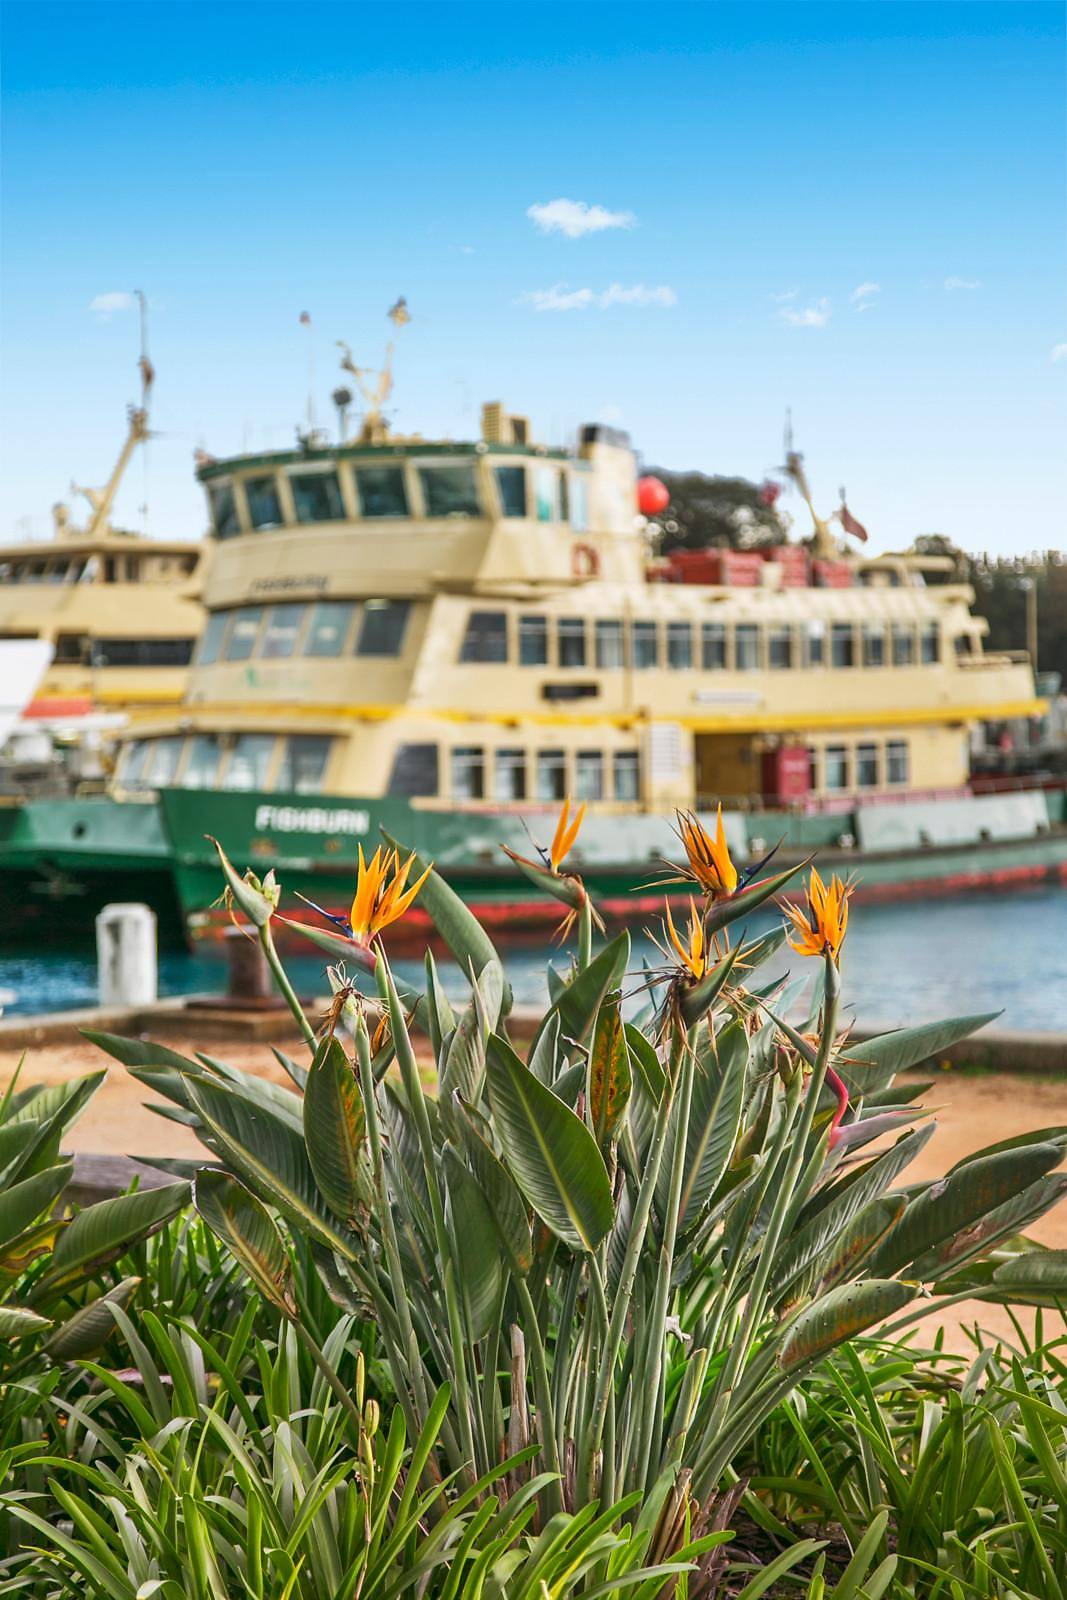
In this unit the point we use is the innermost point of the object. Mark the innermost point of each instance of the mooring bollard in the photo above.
(126, 955)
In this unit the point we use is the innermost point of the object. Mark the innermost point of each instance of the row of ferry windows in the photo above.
(474, 773)
(226, 761)
(495, 637)
(543, 493)
(328, 628)
(841, 768)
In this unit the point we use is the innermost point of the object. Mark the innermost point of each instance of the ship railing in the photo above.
(994, 658)
(843, 804)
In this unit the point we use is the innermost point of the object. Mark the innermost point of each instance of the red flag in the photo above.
(850, 525)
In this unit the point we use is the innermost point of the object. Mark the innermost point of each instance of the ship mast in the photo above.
(102, 500)
(375, 393)
(824, 545)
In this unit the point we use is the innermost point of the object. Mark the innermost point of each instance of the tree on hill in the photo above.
(712, 512)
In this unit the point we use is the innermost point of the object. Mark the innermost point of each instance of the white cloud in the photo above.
(815, 316)
(575, 218)
(1059, 352)
(610, 412)
(786, 294)
(864, 295)
(561, 297)
(106, 305)
(465, 249)
(952, 284)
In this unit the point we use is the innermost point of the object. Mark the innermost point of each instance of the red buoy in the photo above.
(652, 497)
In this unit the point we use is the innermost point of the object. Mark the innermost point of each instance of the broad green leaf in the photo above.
(735, 906)
(646, 1062)
(609, 1081)
(91, 1325)
(1016, 1142)
(463, 1071)
(53, 1109)
(138, 1052)
(249, 1232)
(550, 1151)
(335, 1131)
(458, 927)
(1040, 1271)
(477, 1244)
(506, 1209)
(102, 1232)
(29, 1200)
(874, 1063)
(943, 1208)
(1003, 1222)
(546, 1059)
(855, 1242)
(840, 1315)
(697, 998)
(440, 1018)
(581, 1000)
(16, 1322)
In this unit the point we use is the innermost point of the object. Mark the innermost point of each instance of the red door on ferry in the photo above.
(785, 773)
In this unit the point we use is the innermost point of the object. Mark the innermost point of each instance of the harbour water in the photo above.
(903, 963)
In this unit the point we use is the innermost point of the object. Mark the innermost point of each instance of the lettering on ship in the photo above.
(311, 819)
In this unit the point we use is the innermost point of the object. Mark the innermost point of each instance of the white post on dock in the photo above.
(126, 955)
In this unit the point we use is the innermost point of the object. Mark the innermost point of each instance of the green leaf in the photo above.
(697, 998)
(101, 1233)
(458, 927)
(335, 1131)
(506, 1209)
(463, 1070)
(943, 1208)
(138, 1052)
(1034, 1272)
(646, 1063)
(91, 1325)
(719, 1082)
(1003, 1222)
(874, 1063)
(477, 1245)
(34, 1197)
(16, 1322)
(53, 1109)
(581, 1000)
(609, 1080)
(723, 912)
(838, 1316)
(249, 1232)
(550, 1151)
(440, 1018)
(855, 1242)
(546, 1058)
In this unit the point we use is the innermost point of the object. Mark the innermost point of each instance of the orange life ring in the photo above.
(585, 561)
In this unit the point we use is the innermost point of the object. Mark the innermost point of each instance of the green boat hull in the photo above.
(62, 861)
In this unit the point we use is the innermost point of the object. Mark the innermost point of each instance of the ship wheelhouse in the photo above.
(483, 625)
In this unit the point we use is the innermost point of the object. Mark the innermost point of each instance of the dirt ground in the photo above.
(972, 1111)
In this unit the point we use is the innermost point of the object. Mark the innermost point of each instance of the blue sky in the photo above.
(855, 209)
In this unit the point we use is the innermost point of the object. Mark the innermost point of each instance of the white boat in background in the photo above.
(23, 663)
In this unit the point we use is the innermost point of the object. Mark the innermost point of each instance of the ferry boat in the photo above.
(442, 640)
(117, 611)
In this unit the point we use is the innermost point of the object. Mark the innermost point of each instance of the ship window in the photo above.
(866, 766)
(141, 652)
(570, 641)
(211, 638)
(645, 644)
(511, 487)
(896, 761)
(713, 646)
(746, 647)
(243, 633)
(509, 775)
(835, 767)
(71, 648)
(449, 491)
(903, 645)
(930, 644)
(317, 497)
(381, 631)
(579, 501)
(303, 763)
(280, 633)
(382, 492)
(589, 775)
(626, 774)
(873, 644)
(223, 512)
(608, 644)
(264, 504)
(780, 649)
(816, 643)
(415, 771)
(547, 494)
(533, 642)
(132, 762)
(679, 645)
(166, 753)
(249, 761)
(486, 638)
(468, 772)
(202, 762)
(842, 645)
(551, 774)
(330, 622)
